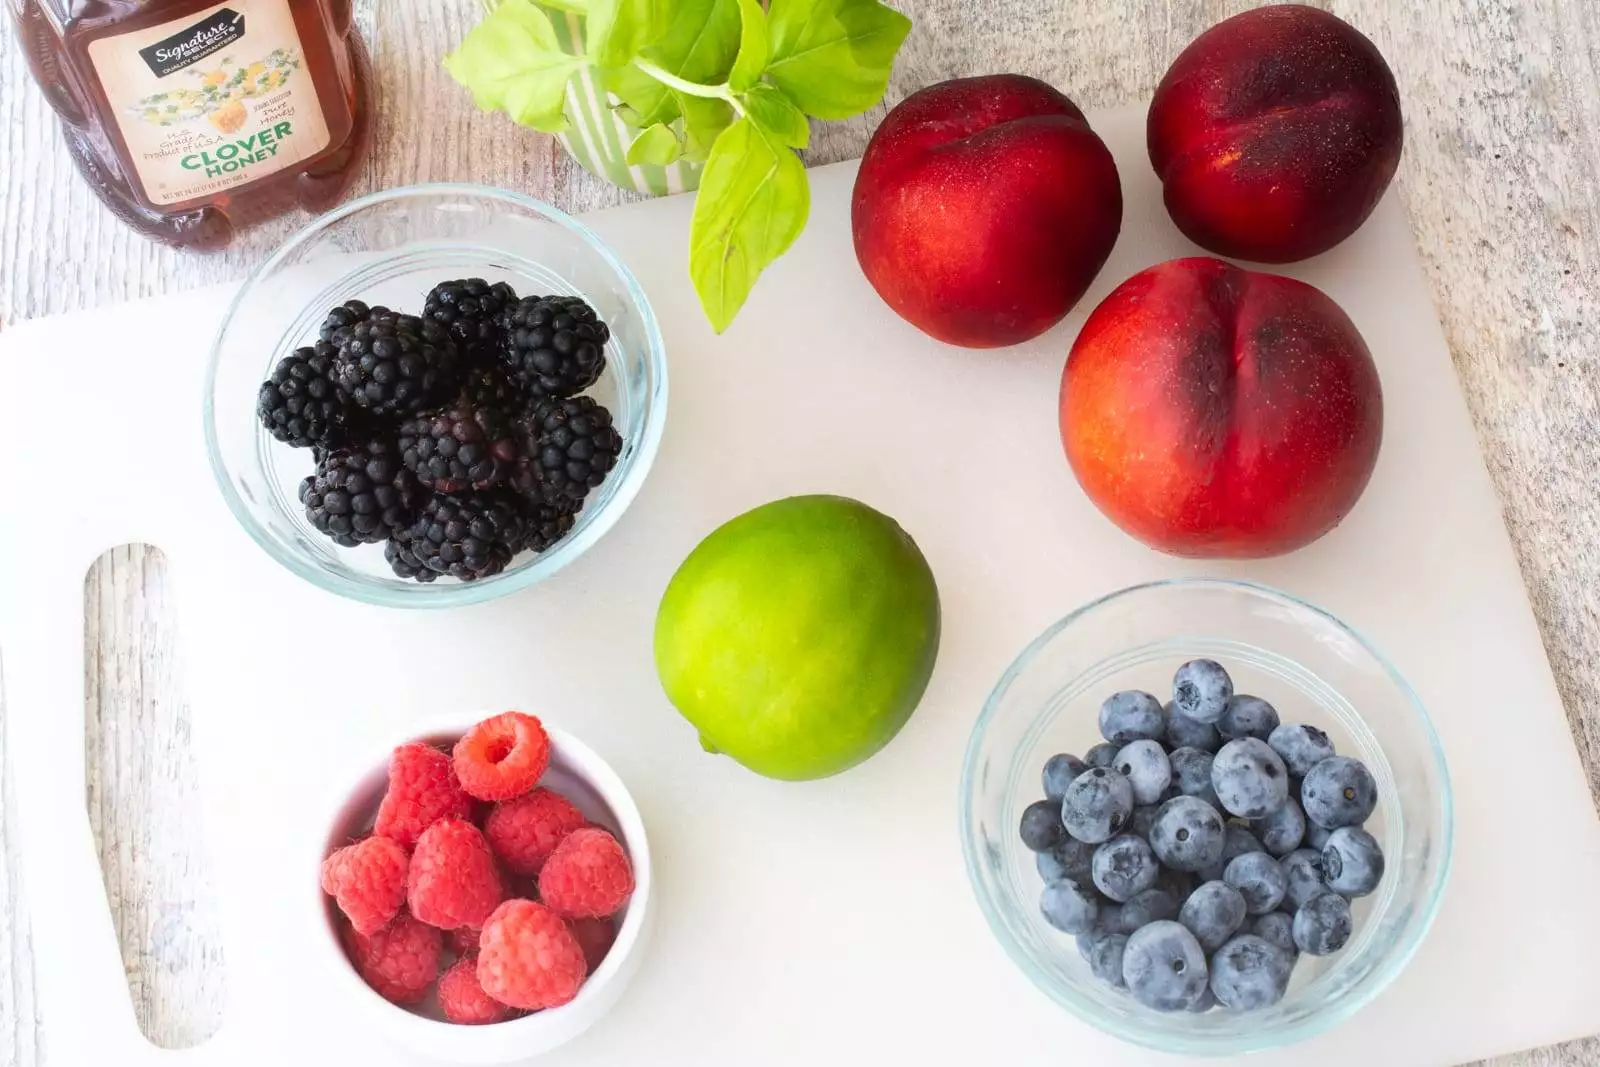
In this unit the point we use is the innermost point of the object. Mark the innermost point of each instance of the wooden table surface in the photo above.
(1502, 101)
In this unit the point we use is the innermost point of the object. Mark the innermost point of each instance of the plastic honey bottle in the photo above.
(193, 119)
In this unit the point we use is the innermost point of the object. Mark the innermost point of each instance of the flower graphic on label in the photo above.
(219, 93)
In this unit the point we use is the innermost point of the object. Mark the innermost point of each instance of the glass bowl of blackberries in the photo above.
(435, 395)
(1206, 817)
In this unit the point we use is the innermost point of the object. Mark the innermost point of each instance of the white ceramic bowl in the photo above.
(589, 782)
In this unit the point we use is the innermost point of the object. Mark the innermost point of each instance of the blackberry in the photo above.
(403, 561)
(545, 522)
(464, 446)
(554, 345)
(465, 537)
(361, 495)
(473, 312)
(301, 404)
(571, 446)
(336, 324)
(396, 364)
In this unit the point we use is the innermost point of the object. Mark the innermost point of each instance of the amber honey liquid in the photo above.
(194, 119)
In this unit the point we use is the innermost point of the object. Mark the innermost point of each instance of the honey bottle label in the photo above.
(212, 101)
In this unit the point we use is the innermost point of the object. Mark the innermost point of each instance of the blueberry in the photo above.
(1143, 817)
(1069, 907)
(1102, 755)
(1249, 778)
(1124, 867)
(1352, 862)
(1153, 905)
(1277, 928)
(1097, 805)
(1085, 942)
(1059, 771)
(1041, 825)
(1247, 716)
(1164, 966)
(1317, 836)
(1203, 1003)
(1322, 925)
(1339, 791)
(1191, 773)
(1260, 880)
(1105, 958)
(1187, 834)
(1131, 715)
(1213, 913)
(1250, 973)
(1200, 690)
(1282, 831)
(1184, 732)
(1302, 871)
(1146, 767)
(1070, 858)
(1300, 746)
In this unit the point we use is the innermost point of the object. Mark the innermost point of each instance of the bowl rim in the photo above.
(548, 564)
(1388, 968)
(526, 1035)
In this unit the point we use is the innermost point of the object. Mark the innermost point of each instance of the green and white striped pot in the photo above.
(598, 139)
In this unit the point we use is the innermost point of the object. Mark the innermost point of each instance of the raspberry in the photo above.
(502, 756)
(422, 790)
(530, 959)
(368, 881)
(453, 880)
(524, 830)
(595, 937)
(463, 1000)
(400, 961)
(587, 876)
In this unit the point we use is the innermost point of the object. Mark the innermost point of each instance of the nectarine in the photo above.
(983, 209)
(1214, 411)
(1275, 134)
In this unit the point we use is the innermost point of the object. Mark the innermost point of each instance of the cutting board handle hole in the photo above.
(143, 797)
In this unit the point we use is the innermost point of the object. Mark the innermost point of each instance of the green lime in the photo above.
(799, 637)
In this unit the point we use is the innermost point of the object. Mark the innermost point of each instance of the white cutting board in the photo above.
(800, 924)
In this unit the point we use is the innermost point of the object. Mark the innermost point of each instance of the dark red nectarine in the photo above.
(1214, 411)
(1275, 134)
(983, 209)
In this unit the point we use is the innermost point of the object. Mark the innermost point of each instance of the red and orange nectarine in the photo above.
(983, 209)
(1275, 134)
(1214, 411)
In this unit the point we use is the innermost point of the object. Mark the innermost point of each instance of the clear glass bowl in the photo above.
(391, 248)
(1309, 665)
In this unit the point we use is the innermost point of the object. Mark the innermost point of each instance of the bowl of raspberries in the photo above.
(435, 395)
(486, 893)
(1206, 817)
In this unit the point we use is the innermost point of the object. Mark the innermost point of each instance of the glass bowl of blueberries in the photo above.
(1206, 817)
(435, 395)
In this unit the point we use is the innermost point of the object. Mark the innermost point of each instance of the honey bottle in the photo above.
(194, 119)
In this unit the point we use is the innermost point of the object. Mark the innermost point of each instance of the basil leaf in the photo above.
(753, 49)
(577, 7)
(704, 119)
(656, 146)
(512, 62)
(618, 30)
(752, 204)
(776, 114)
(833, 56)
(699, 45)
